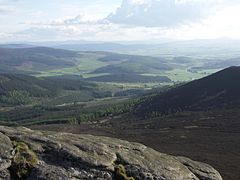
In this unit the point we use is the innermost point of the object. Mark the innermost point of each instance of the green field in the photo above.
(170, 62)
(87, 64)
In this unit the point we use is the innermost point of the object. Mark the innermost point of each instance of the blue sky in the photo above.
(118, 20)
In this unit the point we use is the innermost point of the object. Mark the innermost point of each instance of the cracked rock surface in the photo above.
(69, 156)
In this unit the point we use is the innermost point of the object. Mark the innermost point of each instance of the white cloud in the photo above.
(138, 2)
(4, 10)
(163, 13)
(144, 20)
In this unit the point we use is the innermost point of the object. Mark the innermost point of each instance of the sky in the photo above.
(118, 20)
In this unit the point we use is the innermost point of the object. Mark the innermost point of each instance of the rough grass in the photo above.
(121, 174)
(23, 161)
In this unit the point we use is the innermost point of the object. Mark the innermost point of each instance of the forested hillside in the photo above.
(16, 89)
(218, 90)
(130, 78)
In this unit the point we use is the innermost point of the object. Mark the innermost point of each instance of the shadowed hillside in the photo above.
(217, 90)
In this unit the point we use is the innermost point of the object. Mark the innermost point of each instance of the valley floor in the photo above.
(212, 137)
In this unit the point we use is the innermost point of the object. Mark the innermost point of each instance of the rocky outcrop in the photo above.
(5, 156)
(69, 156)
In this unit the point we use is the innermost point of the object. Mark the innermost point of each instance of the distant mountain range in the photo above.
(14, 46)
(209, 47)
(221, 89)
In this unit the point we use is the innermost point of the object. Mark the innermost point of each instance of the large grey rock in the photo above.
(5, 156)
(68, 156)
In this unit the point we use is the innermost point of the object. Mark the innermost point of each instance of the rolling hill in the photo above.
(43, 61)
(218, 90)
(132, 64)
(34, 59)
